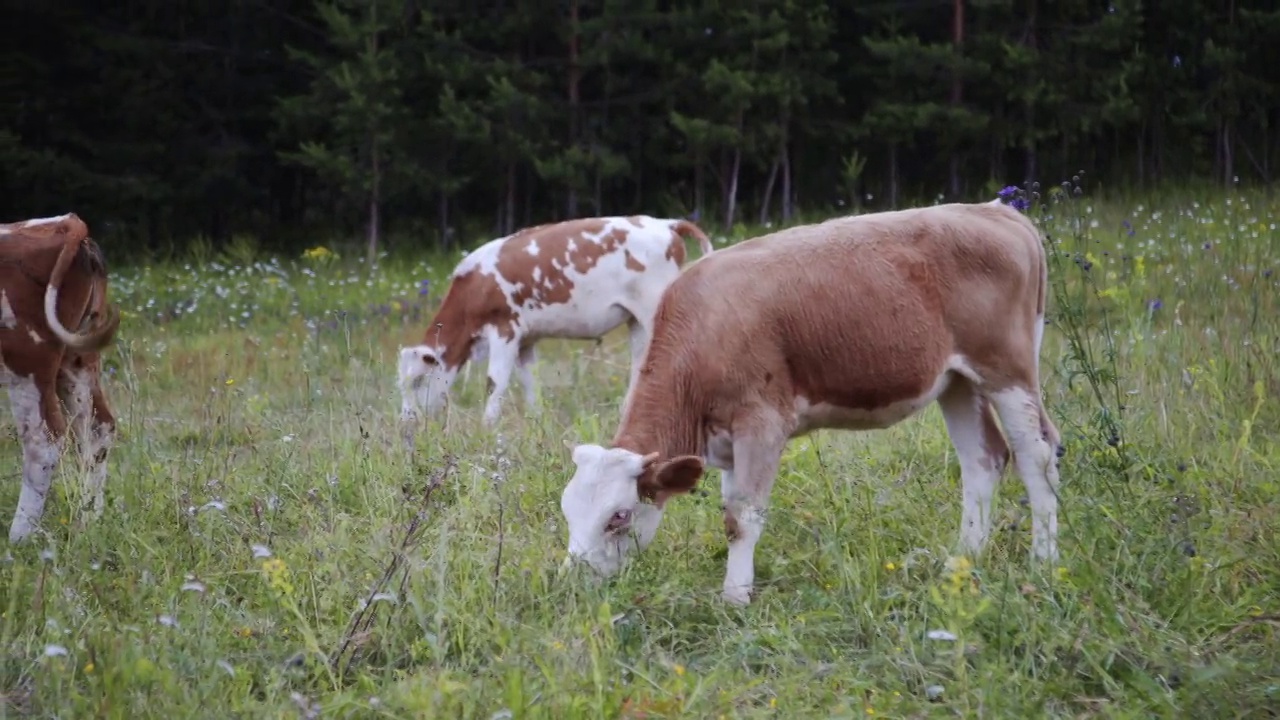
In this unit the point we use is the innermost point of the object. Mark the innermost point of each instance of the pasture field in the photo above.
(259, 498)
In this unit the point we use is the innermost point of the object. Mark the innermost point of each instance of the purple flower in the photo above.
(424, 288)
(1266, 273)
(1154, 305)
(1008, 192)
(1020, 204)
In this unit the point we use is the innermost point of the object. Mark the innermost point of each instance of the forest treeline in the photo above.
(436, 121)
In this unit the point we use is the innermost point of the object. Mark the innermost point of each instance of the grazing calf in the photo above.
(856, 323)
(576, 279)
(53, 277)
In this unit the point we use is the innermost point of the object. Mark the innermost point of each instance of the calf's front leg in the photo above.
(746, 489)
(503, 357)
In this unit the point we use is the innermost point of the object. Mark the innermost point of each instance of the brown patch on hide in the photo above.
(731, 531)
(473, 300)
(534, 261)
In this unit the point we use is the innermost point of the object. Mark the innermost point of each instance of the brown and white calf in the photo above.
(856, 323)
(53, 277)
(576, 279)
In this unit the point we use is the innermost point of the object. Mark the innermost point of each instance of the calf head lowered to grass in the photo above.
(577, 279)
(856, 323)
(53, 277)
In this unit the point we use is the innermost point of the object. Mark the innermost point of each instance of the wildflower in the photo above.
(424, 288)
(890, 566)
(88, 668)
(230, 381)
(679, 670)
(1007, 192)
(319, 252)
(277, 575)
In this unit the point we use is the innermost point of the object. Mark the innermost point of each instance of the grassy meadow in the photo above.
(271, 550)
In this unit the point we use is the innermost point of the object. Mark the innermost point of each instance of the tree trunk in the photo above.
(1142, 154)
(735, 168)
(768, 191)
(893, 176)
(443, 210)
(509, 210)
(575, 79)
(788, 204)
(1030, 107)
(374, 199)
(957, 87)
(638, 175)
(697, 189)
(731, 195)
(1228, 158)
(376, 172)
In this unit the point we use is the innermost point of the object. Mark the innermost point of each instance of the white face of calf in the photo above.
(424, 381)
(602, 503)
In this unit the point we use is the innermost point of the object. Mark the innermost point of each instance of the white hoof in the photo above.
(737, 596)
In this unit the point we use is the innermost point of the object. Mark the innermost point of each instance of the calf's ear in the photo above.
(677, 475)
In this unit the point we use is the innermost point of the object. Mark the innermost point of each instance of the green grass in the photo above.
(255, 412)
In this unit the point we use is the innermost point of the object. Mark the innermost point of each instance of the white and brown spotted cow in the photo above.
(576, 279)
(52, 278)
(856, 323)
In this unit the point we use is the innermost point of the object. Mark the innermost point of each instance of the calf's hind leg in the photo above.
(982, 454)
(524, 372)
(1021, 414)
(41, 426)
(91, 423)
